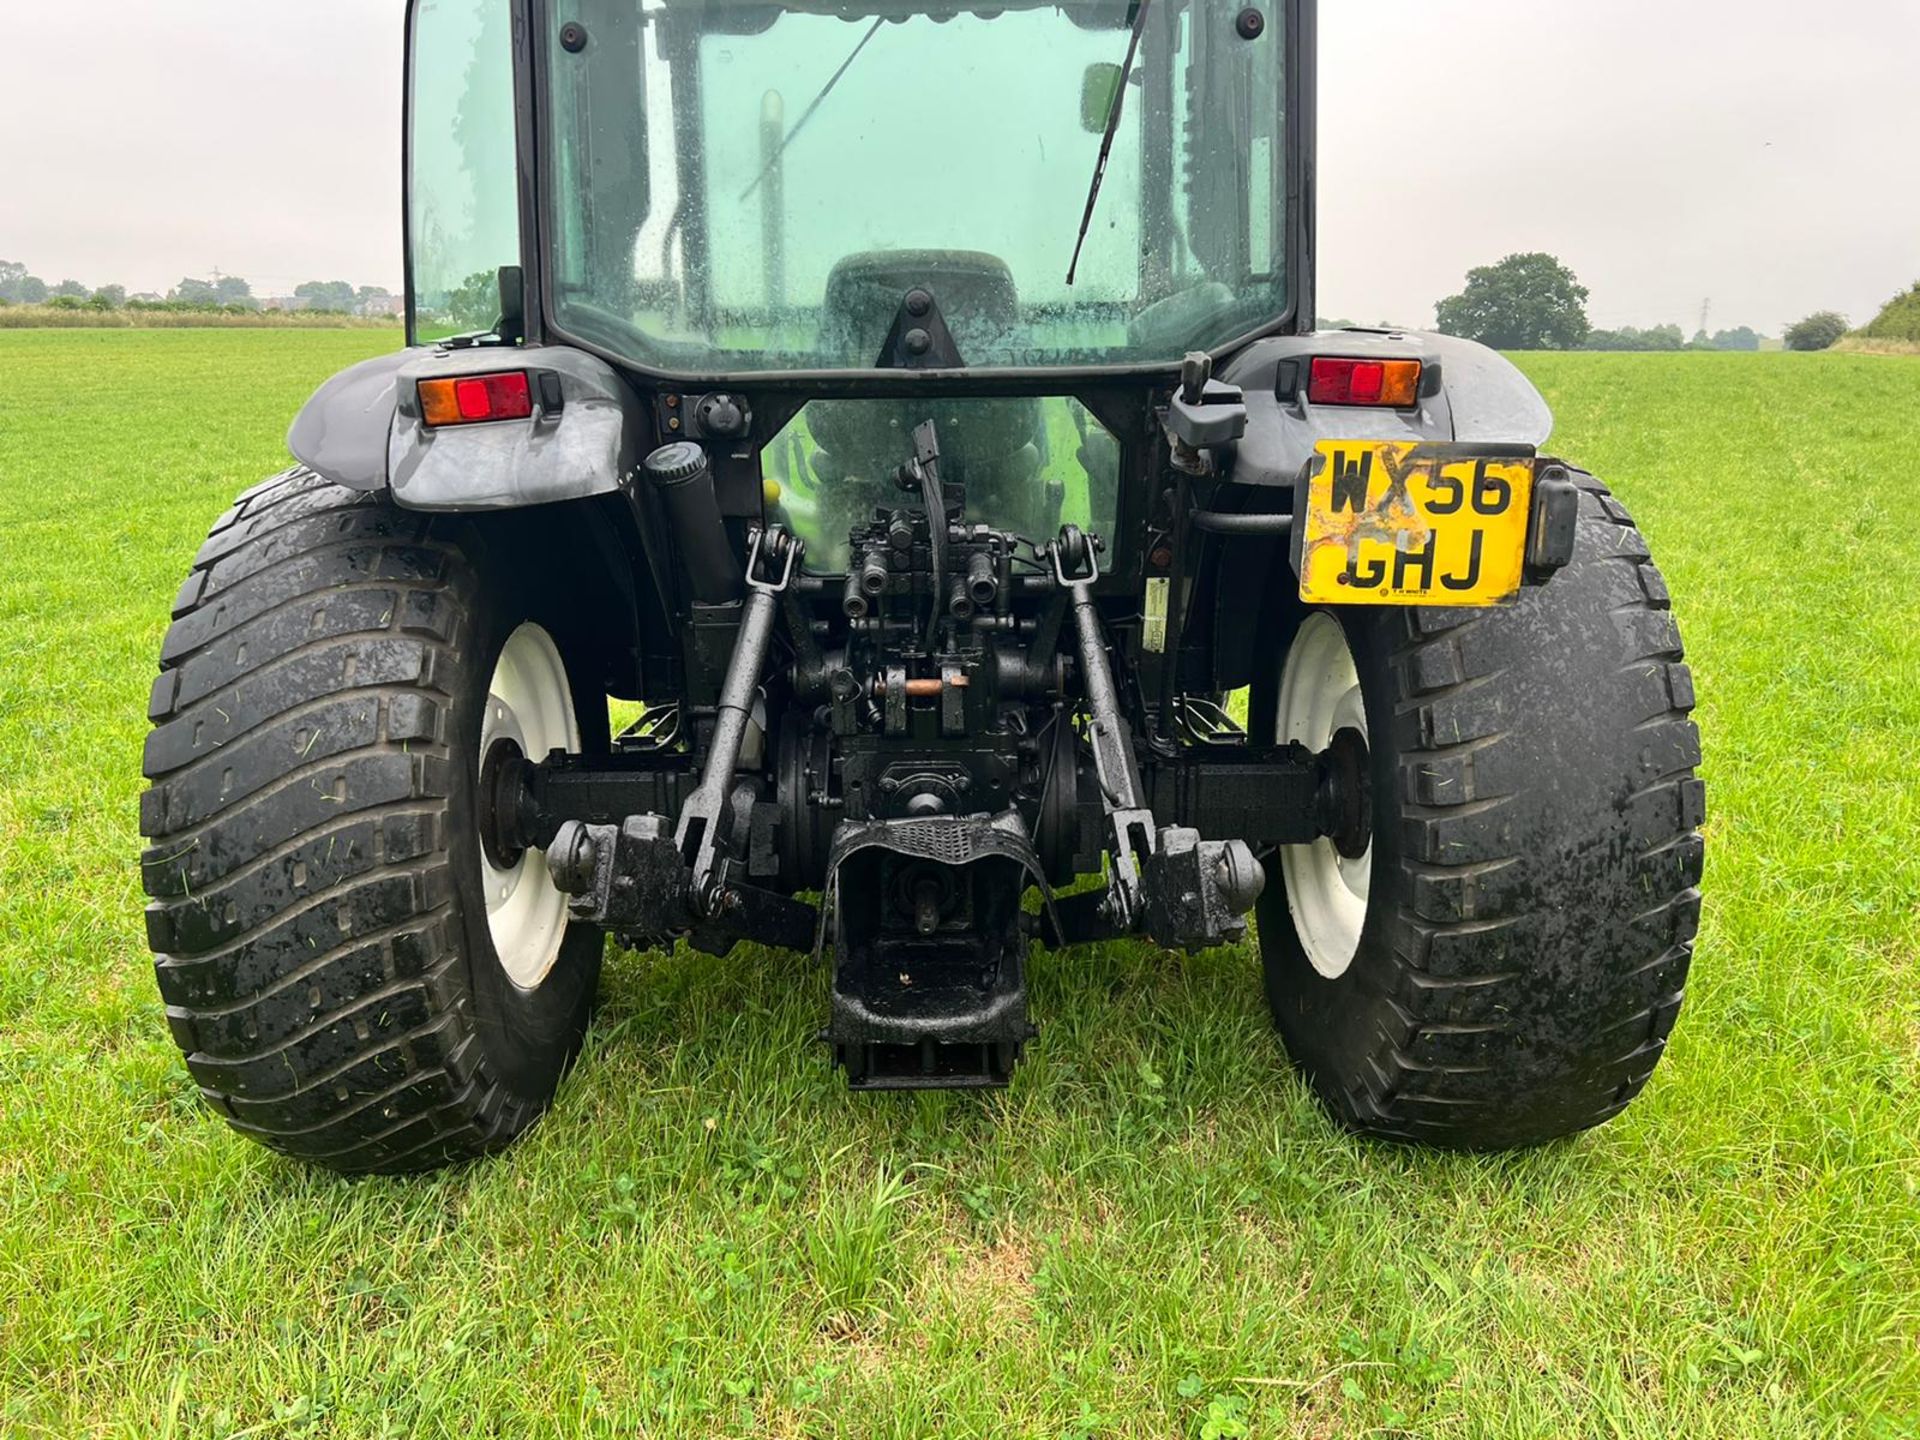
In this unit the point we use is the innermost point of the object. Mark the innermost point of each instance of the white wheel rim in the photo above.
(529, 703)
(1326, 892)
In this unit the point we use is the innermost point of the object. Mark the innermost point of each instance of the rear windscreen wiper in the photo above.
(1106, 138)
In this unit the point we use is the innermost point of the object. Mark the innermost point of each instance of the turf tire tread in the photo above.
(300, 896)
(1447, 1076)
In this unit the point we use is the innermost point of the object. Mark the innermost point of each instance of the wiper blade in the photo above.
(1106, 138)
(813, 105)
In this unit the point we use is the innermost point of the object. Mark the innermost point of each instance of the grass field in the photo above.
(1155, 1232)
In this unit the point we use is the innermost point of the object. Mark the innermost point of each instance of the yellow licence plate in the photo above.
(1402, 523)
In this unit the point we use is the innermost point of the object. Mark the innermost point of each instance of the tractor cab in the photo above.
(737, 187)
(888, 212)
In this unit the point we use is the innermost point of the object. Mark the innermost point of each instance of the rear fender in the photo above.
(363, 429)
(1478, 396)
(1470, 393)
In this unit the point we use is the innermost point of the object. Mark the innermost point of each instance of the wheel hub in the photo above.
(1346, 793)
(1328, 881)
(529, 712)
(503, 784)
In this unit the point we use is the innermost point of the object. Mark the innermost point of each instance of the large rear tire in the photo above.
(1505, 963)
(352, 977)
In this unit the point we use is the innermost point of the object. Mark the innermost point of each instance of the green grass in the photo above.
(1155, 1232)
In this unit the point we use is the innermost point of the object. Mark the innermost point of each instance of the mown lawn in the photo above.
(1155, 1232)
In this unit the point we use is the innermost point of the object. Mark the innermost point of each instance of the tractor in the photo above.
(864, 479)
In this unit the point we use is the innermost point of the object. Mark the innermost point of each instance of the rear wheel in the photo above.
(354, 975)
(1500, 961)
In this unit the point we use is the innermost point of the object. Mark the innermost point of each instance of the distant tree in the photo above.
(1700, 341)
(1660, 337)
(1526, 302)
(231, 290)
(112, 296)
(15, 284)
(197, 293)
(1819, 331)
(1740, 338)
(326, 295)
(1325, 324)
(70, 289)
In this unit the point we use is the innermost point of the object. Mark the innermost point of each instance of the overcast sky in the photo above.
(1760, 154)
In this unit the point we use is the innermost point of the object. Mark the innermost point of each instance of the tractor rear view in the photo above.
(997, 556)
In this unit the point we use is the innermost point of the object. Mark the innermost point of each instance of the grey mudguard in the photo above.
(1481, 396)
(364, 429)
(342, 431)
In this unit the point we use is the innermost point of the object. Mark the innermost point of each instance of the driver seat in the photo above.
(994, 447)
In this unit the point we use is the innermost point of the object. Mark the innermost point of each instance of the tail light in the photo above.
(470, 399)
(1386, 383)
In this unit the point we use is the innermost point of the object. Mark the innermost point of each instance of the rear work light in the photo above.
(1394, 383)
(469, 399)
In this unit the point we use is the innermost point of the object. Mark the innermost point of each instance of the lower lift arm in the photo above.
(636, 880)
(1183, 891)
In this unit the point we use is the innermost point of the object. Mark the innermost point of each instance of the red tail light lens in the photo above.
(473, 398)
(1394, 383)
